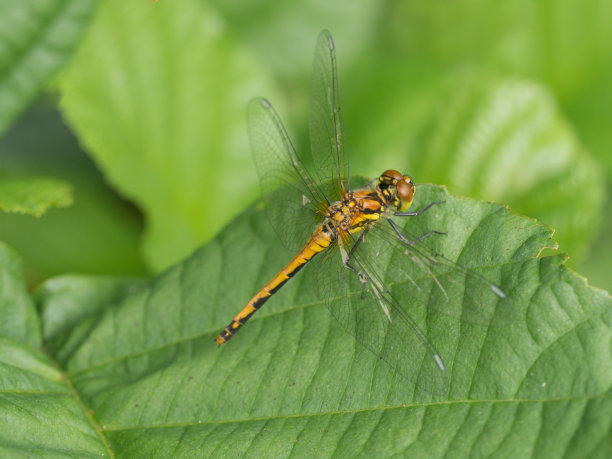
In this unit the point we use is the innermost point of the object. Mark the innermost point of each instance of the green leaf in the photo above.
(565, 45)
(505, 140)
(71, 300)
(261, 22)
(395, 112)
(40, 414)
(157, 95)
(33, 195)
(598, 263)
(36, 40)
(98, 234)
(292, 382)
(18, 318)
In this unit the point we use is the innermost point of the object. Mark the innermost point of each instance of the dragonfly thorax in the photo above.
(358, 209)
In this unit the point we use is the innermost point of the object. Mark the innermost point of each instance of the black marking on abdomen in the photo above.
(275, 289)
(261, 301)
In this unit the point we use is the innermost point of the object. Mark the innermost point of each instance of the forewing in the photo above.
(367, 309)
(429, 278)
(389, 301)
(326, 127)
(291, 198)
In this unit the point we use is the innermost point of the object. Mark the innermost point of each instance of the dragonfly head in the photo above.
(398, 189)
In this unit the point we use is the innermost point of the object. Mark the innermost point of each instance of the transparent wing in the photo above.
(366, 308)
(429, 278)
(292, 200)
(386, 301)
(331, 163)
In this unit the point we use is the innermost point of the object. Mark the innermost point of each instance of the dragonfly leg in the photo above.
(405, 240)
(419, 212)
(350, 254)
(347, 264)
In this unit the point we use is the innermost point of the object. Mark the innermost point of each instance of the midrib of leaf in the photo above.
(86, 412)
(362, 410)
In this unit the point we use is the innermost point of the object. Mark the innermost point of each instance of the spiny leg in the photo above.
(419, 212)
(359, 241)
(347, 264)
(405, 240)
(376, 287)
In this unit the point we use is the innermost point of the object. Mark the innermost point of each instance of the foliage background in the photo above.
(421, 86)
(124, 145)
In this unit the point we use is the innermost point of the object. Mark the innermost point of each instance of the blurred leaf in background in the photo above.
(504, 140)
(156, 95)
(98, 234)
(33, 195)
(565, 46)
(261, 23)
(172, 85)
(37, 39)
(18, 317)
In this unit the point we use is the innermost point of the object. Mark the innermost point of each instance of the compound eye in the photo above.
(405, 190)
(408, 180)
(393, 174)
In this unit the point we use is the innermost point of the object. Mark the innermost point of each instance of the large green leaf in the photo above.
(505, 140)
(36, 39)
(40, 415)
(293, 383)
(33, 195)
(157, 95)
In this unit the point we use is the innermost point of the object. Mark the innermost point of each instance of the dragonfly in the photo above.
(365, 260)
